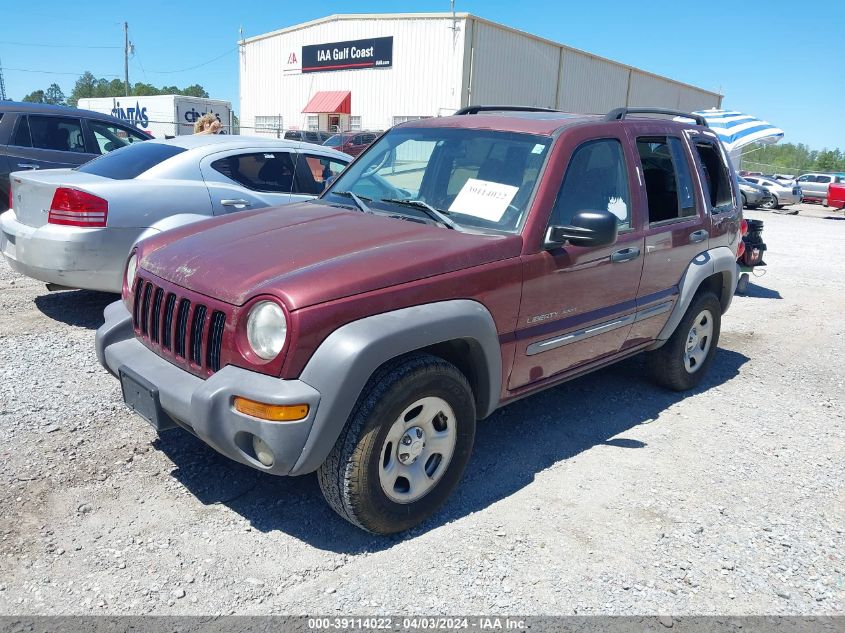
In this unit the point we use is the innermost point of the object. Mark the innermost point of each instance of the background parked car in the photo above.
(352, 143)
(38, 136)
(318, 137)
(75, 227)
(782, 194)
(815, 185)
(753, 195)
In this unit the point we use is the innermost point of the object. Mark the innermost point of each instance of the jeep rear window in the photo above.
(131, 161)
(481, 179)
(716, 180)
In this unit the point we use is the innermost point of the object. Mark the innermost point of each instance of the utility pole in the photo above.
(2, 85)
(126, 57)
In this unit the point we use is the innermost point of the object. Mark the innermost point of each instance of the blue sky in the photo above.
(766, 56)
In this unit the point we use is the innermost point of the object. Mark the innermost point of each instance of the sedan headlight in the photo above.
(266, 329)
(131, 269)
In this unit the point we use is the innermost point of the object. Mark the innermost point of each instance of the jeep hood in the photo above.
(309, 253)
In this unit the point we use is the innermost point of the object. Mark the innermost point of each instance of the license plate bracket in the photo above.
(142, 397)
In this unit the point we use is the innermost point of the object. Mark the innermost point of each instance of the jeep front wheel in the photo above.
(682, 362)
(404, 447)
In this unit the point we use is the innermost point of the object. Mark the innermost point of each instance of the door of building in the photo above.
(334, 123)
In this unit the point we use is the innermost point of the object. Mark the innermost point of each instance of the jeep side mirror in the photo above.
(587, 228)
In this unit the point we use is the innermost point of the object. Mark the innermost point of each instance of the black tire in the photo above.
(742, 284)
(666, 364)
(774, 204)
(349, 478)
(744, 200)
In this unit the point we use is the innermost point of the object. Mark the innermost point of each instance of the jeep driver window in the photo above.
(667, 178)
(716, 179)
(596, 179)
(270, 172)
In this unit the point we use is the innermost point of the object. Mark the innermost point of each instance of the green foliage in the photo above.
(36, 96)
(90, 86)
(54, 95)
(790, 158)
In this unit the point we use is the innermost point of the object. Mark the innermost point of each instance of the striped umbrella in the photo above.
(737, 130)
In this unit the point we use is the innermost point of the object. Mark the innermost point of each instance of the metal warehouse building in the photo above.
(371, 71)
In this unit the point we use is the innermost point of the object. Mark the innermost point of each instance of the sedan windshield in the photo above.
(479, 179)
(334, 141)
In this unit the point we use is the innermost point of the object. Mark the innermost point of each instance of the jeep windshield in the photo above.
(480, 179)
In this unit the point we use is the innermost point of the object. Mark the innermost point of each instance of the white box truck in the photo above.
(162, 115)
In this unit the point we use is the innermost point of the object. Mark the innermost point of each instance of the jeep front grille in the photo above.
(177, 327)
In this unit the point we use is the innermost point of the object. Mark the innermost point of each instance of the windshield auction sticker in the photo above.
(483, 199)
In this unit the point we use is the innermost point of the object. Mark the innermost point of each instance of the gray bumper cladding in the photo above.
(205, 406)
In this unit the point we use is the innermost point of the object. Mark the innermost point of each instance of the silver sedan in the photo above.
(74, 228)
(782, 193)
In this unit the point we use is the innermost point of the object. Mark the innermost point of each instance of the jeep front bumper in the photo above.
(205, 407)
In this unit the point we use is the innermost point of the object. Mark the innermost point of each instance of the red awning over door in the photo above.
(330, 102)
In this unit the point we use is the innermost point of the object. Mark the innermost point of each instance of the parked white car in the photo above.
(74, 228)
(782, 193)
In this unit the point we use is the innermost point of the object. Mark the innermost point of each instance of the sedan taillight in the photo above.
(72, 207)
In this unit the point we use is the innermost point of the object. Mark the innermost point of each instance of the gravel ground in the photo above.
(606, 495)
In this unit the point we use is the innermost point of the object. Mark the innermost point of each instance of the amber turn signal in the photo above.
(271, 412)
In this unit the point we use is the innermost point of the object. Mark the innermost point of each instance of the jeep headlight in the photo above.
(131, 269)
(266, 329)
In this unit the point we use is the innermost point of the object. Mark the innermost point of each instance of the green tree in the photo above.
(195, 90)
(90, 86)
(36, 96)
(54, 95)
(84, 87)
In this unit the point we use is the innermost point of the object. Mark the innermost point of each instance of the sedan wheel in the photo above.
(773, 203)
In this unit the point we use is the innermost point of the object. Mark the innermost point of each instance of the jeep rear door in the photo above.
(675, 228)
(578, 303)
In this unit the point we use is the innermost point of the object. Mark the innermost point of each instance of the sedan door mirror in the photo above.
(587, 228)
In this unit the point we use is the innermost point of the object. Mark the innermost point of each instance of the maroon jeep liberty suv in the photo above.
(458, 264)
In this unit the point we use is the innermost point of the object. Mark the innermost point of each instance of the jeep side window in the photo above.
(271, 172)
(596, 178)
(667, 179)
(717, 182)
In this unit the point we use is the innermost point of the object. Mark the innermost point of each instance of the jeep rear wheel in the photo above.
(404, 447)
(682, 362)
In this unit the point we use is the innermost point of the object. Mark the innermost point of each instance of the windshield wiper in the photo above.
(358, 200)
(430, 211)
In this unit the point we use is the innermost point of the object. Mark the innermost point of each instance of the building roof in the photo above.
(336, 17)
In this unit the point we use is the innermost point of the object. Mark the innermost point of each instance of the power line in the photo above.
(55, 45)
(182, 70)
(56, 72)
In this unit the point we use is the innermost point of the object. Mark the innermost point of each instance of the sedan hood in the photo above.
(310, 253)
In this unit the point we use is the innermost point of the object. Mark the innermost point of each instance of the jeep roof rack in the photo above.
(475, 109)
(620, 113)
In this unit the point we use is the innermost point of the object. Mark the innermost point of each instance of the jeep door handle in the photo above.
(238, 203)
(625, 255)
(698, 236)
(29, 166)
